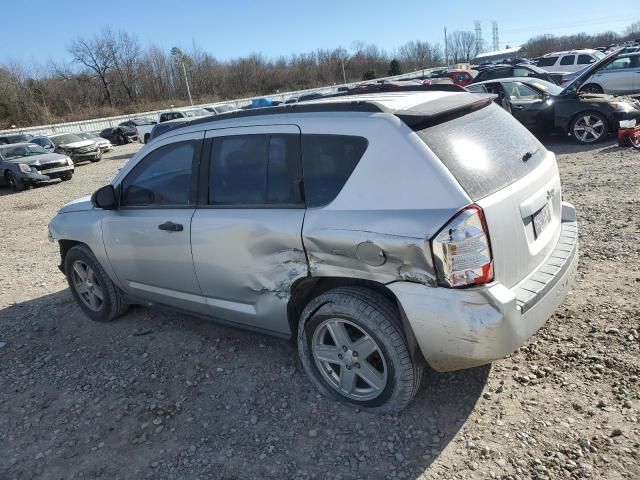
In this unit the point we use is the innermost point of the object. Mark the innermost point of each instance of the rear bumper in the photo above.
(464, 328)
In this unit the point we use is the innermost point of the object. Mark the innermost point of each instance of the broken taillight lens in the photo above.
(462, 250)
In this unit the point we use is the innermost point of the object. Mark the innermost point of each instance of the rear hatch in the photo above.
(508, 172)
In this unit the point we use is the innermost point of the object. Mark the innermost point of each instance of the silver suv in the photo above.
(385, 232)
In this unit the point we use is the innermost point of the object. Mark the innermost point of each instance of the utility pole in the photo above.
(446, 49)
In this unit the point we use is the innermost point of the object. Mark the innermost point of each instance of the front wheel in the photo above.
(66, 177)
(635, 141)
(92, 288)
(14, 182)
(352, 347)
(589, 127)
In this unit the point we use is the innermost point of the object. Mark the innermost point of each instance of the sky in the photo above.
(229, 29)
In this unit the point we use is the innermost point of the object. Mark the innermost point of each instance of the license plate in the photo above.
(541, 219)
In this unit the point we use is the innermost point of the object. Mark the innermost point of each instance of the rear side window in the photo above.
(327, 162)
(484, 149)
(568, 60)
(255, 170)
(547, 61)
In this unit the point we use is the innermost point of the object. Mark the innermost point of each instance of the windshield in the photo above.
(196, 112)
(86, 135)
(22, 151)
(224, 108)
(546, 87)
(66, 138)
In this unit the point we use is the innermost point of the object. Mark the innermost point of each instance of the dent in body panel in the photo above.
(372, 245)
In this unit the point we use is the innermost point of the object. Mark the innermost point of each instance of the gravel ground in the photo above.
(162, 395)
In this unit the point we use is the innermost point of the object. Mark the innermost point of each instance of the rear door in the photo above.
(246, 234)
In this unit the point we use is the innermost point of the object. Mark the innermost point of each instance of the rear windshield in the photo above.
(484, 150)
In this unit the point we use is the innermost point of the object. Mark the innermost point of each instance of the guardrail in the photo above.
(102, 123)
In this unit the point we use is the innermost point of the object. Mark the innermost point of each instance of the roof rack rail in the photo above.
(304, 107)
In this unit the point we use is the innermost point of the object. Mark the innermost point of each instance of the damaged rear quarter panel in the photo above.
(398, 196)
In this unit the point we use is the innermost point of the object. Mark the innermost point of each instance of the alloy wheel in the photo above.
(87, 285)
(588, 128)
(349, 359)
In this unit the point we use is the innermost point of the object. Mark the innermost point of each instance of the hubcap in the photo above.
(588, 128)
(87, 285)
(349, 359)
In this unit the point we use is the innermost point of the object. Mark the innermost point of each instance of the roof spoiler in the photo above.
(443, 109)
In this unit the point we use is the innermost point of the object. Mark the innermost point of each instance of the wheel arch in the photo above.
(65, 246)
(306, 289)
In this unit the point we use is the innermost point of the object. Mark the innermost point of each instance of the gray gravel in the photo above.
(165, 396)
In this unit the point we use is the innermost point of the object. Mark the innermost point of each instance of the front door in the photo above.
(246, 234)
(148, 238)
(526, 103)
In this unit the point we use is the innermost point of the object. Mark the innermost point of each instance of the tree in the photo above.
(96, 55)
(125, 53)
(394, 68)
(463, 46)
(369, 75)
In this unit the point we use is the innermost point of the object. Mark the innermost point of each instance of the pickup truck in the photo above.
(145, 125)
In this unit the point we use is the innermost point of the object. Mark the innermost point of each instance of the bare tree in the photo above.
(463, 46)
(125, 53)
(96, 55)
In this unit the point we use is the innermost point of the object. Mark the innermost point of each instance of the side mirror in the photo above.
(105, 198)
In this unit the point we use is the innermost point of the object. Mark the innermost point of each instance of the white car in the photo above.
(569, 61)
(622, 76)
(144, 131)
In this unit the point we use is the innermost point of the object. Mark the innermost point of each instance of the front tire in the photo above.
(92, 288)
(592, 88)
(352, 347)
(589, 127)
(66, 177)
(97, 158)
(15, 183)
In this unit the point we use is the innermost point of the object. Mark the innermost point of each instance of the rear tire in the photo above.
(92, 288)
(382, 377)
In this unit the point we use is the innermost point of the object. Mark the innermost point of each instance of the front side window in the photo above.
(328, 161)
(255, 170)
(547, 61)
(162, 178)
(568, 60)
(619, 64)
(520, 91)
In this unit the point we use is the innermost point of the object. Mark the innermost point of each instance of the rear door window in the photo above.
(255, 170)
(585, 59)
(568, 60)
(327, 162)
(484, 150)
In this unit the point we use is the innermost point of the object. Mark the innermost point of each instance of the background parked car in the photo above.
(120, 135)
(493, 72)
(218, 109)
(569, 61)
(70, 144)
(545, 107)
(15, 138)
(142, 126)
(103, 144)
(23, 164)
(187, 113)
(462, 78)
(622, 76)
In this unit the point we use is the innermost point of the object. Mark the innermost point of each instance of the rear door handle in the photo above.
(171, 227)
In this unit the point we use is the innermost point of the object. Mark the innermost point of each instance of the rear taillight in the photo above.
(462, 250)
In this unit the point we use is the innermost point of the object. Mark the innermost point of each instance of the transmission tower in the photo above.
(496, 40)
(479, 45)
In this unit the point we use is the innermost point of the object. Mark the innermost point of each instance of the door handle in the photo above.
(519, 107)
(171, 227)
